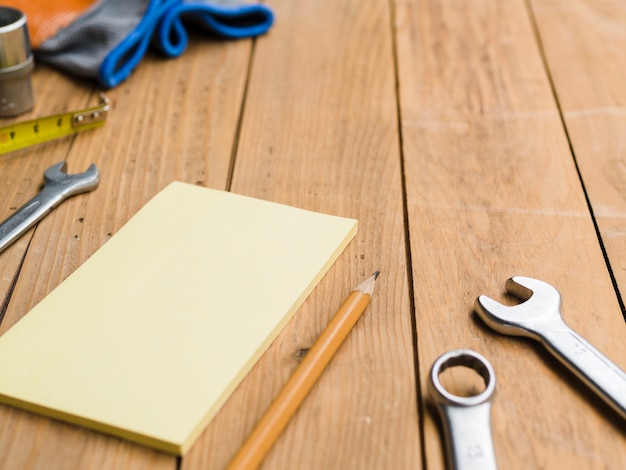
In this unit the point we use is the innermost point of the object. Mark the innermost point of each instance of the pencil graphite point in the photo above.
(367, 286)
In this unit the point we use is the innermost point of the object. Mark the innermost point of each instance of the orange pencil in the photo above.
(300, 383)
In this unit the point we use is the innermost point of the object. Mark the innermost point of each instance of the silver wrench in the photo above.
(466, 420)
(539, 317)
(58, 187)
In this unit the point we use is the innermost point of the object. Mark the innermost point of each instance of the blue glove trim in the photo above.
(231, 22)
(162, 25)
(125, 57)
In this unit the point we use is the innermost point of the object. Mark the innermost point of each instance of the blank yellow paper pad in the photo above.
(149, 337)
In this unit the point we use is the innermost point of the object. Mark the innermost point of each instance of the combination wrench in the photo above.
(58, 186)
(539, 317)
(466, 420)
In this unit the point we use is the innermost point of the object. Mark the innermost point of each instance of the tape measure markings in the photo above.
(35, 131)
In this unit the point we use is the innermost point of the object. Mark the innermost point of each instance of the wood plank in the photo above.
(173, 120)
(492, 192)
(584, 43)
(21, 172)
(28, 441)
(320, 132)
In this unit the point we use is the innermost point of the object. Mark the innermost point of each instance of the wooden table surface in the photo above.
(473, 139)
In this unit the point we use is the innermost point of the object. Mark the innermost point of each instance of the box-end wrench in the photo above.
(539, 317)
(466, 420)
(58, 186)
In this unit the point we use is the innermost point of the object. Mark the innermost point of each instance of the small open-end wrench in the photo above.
(539, 317)
(466, 420)
(58, 186)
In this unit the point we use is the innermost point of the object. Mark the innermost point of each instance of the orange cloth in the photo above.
(46, 17)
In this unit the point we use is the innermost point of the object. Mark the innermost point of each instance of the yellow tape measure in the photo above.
(36, 131)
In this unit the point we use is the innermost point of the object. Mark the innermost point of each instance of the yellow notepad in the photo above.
(149, 337)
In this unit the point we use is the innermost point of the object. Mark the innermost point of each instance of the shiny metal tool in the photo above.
(466, 420)
(16, 63)
(58, 187)
(539, 317)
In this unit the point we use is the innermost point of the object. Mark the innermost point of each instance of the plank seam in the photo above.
(237, 136)
(5, 304)
(9, 296)
(544, 59)
(407, 239)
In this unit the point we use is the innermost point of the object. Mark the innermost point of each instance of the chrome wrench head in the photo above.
(58, 187)
(466, 420)
(539, 317)
(466, 358)
(541, 304)
(72, 184)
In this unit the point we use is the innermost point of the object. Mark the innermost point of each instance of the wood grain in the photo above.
(320, 132)
(28, 441)
(434, 122)
(584, 43)
(162, 127)
(21, 173)
(492, 191)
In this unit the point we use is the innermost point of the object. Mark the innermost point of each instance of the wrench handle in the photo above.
(468, 439)
(27, 216)
(590, 365)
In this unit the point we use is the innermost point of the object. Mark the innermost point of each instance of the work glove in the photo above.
(106, 39)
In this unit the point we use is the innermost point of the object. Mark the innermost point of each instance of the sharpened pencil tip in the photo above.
(367, 286)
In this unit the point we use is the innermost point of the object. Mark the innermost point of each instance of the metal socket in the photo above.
(16, 63)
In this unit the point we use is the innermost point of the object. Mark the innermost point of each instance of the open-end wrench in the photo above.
(466, 420)
(58, 186)
(539, 317)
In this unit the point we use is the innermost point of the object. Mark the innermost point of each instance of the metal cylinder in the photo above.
(16, 63)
